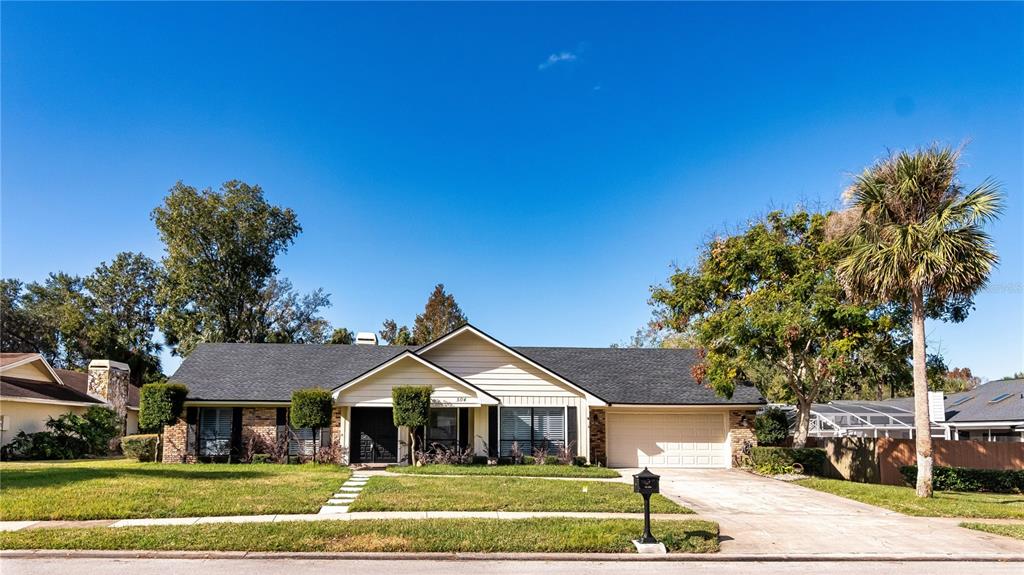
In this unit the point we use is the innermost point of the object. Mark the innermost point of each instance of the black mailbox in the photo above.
(646, 483)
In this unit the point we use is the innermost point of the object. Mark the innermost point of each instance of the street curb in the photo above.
(350, 556)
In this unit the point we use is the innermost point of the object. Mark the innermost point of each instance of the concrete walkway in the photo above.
(761, 515)
(340, 516)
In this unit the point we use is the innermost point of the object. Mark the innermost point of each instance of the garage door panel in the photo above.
(666, 440)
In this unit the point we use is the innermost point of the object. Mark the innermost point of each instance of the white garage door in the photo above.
(667, 440)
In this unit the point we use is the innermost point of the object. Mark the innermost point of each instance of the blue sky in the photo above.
(546, 162)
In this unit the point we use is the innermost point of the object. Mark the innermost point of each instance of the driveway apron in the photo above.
(761, 515)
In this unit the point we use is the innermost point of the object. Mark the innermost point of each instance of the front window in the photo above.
(300, 441)
(531, 428)
(214, 431)
(443, 428)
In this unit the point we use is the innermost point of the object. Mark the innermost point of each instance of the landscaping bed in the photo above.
(551, 535)
(943, 504)
(1016, 531)
(120, 489)
(503, 494)
(508, 470)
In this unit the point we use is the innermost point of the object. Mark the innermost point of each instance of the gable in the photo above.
(495, 370)
(374, 389)
(33, 370)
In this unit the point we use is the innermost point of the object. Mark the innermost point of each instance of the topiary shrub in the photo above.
(777, 460)
(967, 479)
(141, 447)
(771, 427)
(311, 408)
(411, 408)
(160, 404)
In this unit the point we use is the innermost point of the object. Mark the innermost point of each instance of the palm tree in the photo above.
(914, 235)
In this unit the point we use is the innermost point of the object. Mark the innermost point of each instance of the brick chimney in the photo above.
(108, 380)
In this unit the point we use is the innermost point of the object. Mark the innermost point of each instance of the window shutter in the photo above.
(463, 427)
(492, 431)
(192, 430)
(282, 416)
(236, 431)
(572, 433)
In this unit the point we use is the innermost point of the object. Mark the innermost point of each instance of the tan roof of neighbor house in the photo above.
(13, 357)
(16, 387)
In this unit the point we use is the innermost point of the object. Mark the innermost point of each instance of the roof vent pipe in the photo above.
(366, 338)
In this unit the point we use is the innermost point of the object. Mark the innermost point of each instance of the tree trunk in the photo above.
(922, 423)
(803, 422)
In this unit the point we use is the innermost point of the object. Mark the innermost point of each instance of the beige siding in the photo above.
(494, 370)
(30, 417)
(375, 391)
(32, 370)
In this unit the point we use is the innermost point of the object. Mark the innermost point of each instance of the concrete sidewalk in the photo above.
(360, 516)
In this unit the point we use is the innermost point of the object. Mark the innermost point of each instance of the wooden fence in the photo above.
(869, 460)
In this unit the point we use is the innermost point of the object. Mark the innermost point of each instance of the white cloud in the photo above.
(556, 58)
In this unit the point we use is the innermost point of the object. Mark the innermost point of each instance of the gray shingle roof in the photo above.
(270, 372)
(980, 408)
(635, 376)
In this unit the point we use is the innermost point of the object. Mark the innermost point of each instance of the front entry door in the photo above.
(374, 435)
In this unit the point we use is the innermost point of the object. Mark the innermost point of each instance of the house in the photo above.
(993, 411)
(617, 407)
(32, 392)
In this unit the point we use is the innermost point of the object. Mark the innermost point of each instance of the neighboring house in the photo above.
(31, 392)
(993, 411)
(618, 407)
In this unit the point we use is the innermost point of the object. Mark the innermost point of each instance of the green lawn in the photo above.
(120, 489)
(503, 494)
(1016, 531)
(445, 535)
(508, 470)
(943, 504)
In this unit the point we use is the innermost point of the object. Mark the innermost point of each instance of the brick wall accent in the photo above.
(741, 429)
(336, 433)
(597, 437)
(175, 443)
(259, 423)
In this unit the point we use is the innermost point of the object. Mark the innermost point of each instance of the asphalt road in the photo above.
(49, 566)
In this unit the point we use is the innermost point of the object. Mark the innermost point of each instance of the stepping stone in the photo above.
(333, 510)
(343, 497)
(351, 489)
(339, 501)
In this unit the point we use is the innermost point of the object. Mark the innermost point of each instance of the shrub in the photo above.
(140, 447)
(411, 408)
(528, 460)
(160, 404)
(967, 479)
(480, 460)
(566, 453)
(776, 460)
(540, 454)
(311, 408)
(551, 460)
(771, 427)
(260, 458)
(579, 461)
(70, 436)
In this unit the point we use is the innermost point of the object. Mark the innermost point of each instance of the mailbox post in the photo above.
(646, 483)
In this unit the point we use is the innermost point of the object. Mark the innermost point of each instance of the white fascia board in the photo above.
(592, 400)
(51, 401)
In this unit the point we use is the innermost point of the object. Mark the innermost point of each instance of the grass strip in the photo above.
(943, 504)
(547, 535)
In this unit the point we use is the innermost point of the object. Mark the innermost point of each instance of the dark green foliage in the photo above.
(967, 479)
(775, 460)
(141, 447)
(411, 408)
(342, 336)
(160, 404)
(771, 427)
(70, 436)
(311, 408)
(441, 315)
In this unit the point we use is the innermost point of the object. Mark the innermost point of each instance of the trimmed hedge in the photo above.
(141, 447)
(311, 408)
(775, 460)
(160, 404)
(967, 479)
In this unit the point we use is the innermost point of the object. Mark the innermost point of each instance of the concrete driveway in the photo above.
(760, 515)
